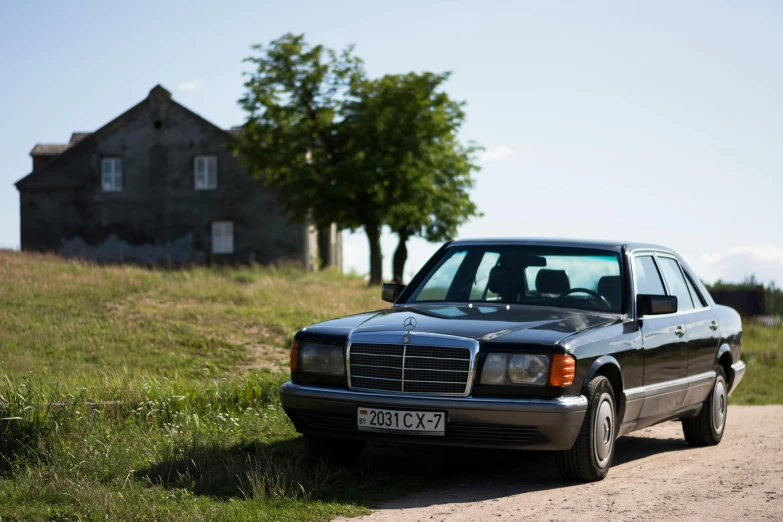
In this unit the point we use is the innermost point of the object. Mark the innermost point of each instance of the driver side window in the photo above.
(646, 276)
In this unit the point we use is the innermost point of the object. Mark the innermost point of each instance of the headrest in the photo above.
(507, 282)
(552, 282)
(611, 287)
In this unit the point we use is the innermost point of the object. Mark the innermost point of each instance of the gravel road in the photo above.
(656, 476)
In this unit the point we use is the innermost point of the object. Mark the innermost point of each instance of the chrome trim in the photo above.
(565, 403)
(402, 371)
(662, 388)
(654, 253)
(415, 339)
(739, 372)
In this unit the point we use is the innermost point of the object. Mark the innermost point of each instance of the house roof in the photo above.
(59, 151)
(48, 149)
(76, 137)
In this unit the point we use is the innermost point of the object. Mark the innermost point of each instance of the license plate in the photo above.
(398, 421)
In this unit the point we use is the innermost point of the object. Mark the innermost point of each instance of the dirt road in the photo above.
(656, 476)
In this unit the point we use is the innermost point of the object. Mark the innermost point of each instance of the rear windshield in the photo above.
(524, 274)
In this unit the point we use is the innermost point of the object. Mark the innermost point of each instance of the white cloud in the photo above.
(191, 85)
(498, 153)
(733, 265)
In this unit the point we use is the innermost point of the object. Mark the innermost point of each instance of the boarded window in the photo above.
(222, 237)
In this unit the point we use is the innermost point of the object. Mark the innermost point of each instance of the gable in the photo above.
(156, 122)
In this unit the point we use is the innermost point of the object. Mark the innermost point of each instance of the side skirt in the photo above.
(645, 405)
(682, 413)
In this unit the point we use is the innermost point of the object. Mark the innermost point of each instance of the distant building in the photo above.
(157, 185)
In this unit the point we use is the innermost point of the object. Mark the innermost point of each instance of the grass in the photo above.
(135, 394)
(152, 395)
(762, 351)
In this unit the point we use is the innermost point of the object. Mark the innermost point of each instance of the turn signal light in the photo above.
(295, 356)
(563, 370)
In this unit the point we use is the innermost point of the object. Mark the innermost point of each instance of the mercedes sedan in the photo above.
(522, 344)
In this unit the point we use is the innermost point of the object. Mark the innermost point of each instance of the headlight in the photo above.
(494, 371)
(510, 369)
(321, 358)
(528, 368)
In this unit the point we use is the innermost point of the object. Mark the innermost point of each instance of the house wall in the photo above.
(158, 217)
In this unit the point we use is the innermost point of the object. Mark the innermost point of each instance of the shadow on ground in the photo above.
(386, 471)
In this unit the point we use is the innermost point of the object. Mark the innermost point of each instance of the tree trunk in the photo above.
(376, 258)
(400, 256)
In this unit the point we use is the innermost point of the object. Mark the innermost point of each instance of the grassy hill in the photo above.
(128, 393)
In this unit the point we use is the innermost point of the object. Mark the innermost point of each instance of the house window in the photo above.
(206, 172)
(111, 174)
(222, 237)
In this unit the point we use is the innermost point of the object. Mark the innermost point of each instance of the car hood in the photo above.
(484, 322)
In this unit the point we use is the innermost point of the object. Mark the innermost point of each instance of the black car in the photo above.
(522, 344)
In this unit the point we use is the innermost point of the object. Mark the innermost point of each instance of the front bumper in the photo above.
(546, 424)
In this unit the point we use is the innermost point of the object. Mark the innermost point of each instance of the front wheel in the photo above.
(706, 429)
(590, 457)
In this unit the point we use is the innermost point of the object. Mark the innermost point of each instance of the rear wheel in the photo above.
(706, 429)
(336, 451)
(590, 457)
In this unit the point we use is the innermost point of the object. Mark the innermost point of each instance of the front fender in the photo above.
(609, 367)
(604, 360)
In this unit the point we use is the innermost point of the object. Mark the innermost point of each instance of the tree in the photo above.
(339, 148)
(406, 133)
(294, 137)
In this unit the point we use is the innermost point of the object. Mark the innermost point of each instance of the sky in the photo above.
(659, 122)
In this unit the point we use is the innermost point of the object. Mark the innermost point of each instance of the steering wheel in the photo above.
(598, 297)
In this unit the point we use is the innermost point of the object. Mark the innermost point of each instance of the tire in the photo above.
(590, 458)
(707, 428)
(344, 452)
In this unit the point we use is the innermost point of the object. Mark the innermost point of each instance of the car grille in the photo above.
(321, 421)
(410, 369)
(491, 433)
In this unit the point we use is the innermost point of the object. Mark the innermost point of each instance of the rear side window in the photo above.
(698, 302)
(646, 276)
(676, 282)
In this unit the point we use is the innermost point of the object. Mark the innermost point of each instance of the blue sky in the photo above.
(660, 122)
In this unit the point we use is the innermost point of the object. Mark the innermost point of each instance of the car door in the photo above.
(665, 349)
(701, 329)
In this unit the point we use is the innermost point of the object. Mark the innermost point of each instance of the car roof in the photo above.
(581, 243)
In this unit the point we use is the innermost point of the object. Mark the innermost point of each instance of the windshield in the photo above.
(526, 274)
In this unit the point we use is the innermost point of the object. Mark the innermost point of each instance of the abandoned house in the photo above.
(158, 185)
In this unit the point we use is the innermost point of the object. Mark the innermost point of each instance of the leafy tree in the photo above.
(362, 153)
(294, 137)
(406, 135)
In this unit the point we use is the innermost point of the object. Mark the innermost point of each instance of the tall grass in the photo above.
(138, 394)
(762, 351)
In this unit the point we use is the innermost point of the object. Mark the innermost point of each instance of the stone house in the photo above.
(158, 185)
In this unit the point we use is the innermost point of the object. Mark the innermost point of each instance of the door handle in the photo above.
(679, 331)
(713, 325)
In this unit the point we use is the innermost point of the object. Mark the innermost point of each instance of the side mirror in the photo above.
(391, 291)
(655, 304)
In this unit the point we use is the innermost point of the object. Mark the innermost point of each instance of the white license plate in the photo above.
(410, 422)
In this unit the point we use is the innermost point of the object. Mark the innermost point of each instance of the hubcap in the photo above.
(603, 431)
(719, 406)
